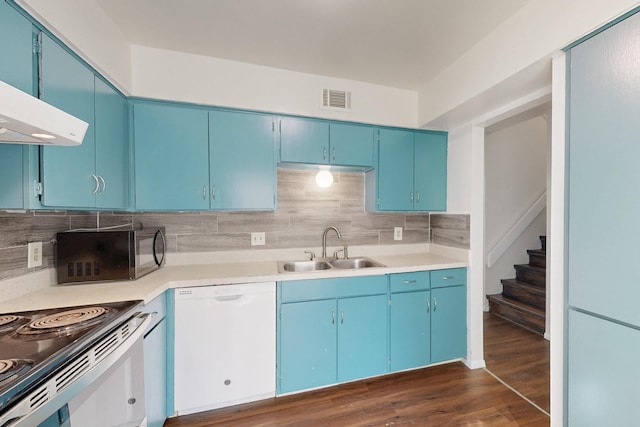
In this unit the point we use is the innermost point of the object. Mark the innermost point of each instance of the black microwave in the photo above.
(91, 256)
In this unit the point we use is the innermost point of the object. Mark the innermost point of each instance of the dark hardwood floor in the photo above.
(518, 357)
(445, 395)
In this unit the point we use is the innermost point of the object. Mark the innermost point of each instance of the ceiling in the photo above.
(397, 43)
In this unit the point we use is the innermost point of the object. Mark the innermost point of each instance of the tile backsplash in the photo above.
(304, 211)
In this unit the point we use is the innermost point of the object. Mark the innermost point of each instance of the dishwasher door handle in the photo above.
(228, 297)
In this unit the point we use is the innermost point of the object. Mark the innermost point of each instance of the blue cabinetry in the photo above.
(242, 161)
(95, 173)
(411, 172)
(331, 330)
(321, 142)
(171, 157)
(410, 330)
(16, 69)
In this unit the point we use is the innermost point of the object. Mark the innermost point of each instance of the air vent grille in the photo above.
(336, 99)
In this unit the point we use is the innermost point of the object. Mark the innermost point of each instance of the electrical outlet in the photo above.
(397, 233)
(34, 254)
(258, 239)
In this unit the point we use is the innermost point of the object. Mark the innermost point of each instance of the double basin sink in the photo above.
(327, 264)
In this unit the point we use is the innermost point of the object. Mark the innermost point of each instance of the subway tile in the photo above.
(417, 222)
(450, 221)
(251, 222)
(179, 222)
(455, 238)
(18, 229)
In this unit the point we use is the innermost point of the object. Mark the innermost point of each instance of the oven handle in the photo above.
(24, 414)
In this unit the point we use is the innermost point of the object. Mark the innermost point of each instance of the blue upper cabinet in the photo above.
(16, 69)
(112, 147)
(430, 176)
(68, 173)
(350, 145)
(411, 173)
(304, 140)
(395, 170)
(171, 157)
(242, 161)
(320, 142)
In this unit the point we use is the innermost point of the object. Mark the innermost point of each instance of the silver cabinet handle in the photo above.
(104, 184)
(417, 197)
(204, 192)
(334, 153)
(435, 304)
(324, 153)
(95, 178)
(448, 277)
(213, 192)
(410, 282)
(428, 306)
(342, 317)
(333, 317)
(411, 197)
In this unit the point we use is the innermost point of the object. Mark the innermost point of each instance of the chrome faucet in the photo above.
(324, 239)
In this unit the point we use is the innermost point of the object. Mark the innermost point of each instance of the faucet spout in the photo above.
(324, 239)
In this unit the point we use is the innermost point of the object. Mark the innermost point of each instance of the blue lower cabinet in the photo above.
(362, 337)
(448, 323)
(307, 345)
(410, 330)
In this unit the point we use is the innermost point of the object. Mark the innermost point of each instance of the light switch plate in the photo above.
(397, 233)
(34, 254)
(258, 239)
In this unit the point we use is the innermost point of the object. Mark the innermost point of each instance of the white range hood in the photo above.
(25, 119)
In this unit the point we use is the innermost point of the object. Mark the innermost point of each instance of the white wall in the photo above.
(187, 77)
(534, 32)
(84, 27)
(515, 177)
(459, 170)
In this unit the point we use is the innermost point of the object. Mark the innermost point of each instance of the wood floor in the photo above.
(445, 395)
(518, 357)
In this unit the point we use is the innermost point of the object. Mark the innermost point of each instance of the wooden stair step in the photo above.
(531, 274)
(517, 312)
(537, 257)
(532, 295)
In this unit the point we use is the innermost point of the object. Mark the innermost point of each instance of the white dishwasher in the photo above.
(225, 345)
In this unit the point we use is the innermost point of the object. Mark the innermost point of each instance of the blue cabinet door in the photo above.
(112, 147)
(350, 145)
(603, 173)
(410, 330)
(362, 337)
(304, 141)
(11, 176)
(395, 170)
(242, 160)
(602, 380)
(68, 173)
(448, 323)
(430, 177)
(17, 64)
(307, 345)
(171, 145)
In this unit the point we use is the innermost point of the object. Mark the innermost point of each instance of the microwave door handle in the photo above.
(164, 247)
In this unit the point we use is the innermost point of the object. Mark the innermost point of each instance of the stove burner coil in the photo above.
(11, 368)
(5, 319)
(65, 322)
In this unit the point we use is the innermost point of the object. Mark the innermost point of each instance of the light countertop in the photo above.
(219, 273)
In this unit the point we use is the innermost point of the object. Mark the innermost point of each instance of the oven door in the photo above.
(116, 398)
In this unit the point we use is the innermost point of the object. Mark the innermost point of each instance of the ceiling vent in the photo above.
(336, 99)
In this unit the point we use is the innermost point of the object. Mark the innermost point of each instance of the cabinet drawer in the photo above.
(307, 290)
(448, 277)
(404, 282)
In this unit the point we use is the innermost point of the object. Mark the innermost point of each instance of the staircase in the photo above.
(523, 299)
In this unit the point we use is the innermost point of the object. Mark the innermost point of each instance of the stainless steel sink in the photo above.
(327, 264)
(355, 263)
(298, 266)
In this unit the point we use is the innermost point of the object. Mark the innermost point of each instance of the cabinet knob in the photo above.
(435, 304)
(334, 153)
(324, 153)
(104, 184)
(411, 197)
(333, 317)
(428, 306)
(213, 192)
(204, 192)
(342, 317)
(417, 197)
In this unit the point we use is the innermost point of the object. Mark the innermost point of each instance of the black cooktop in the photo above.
(35, 344)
